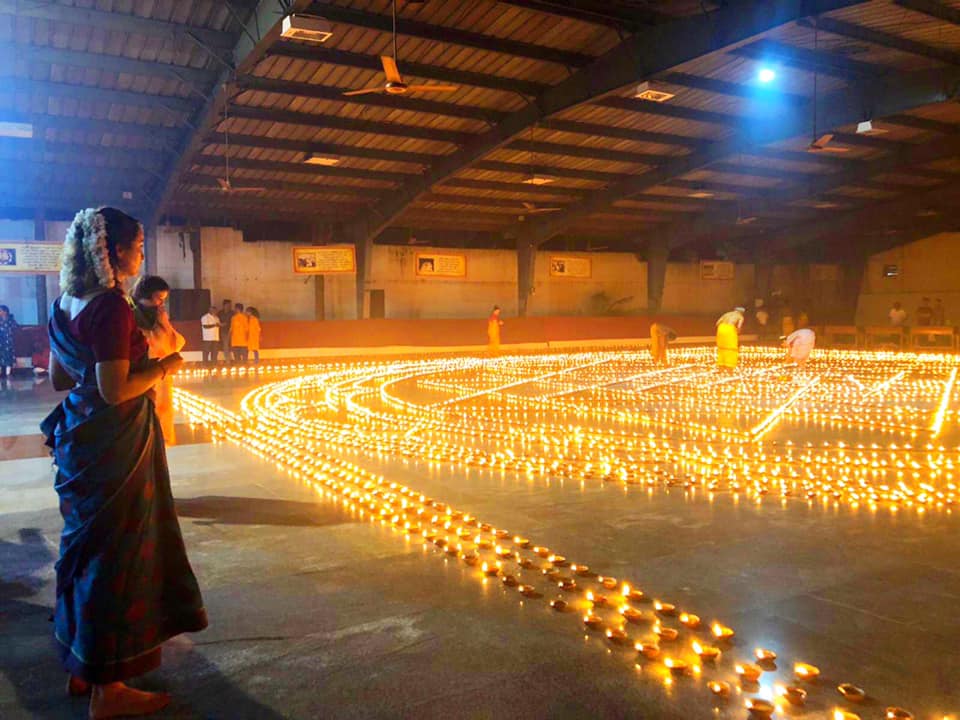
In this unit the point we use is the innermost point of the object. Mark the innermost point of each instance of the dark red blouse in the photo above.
(106, 325)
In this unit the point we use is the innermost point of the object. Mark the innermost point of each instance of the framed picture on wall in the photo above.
(440, 265)
(570, 266)
(30, 257)
(325, 260)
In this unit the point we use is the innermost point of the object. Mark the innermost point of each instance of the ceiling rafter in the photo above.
(932, 8)
(760, 95)
(649, 107)
(163, 133)
(333, 56)
(821, 61)
(11, 52)
(300, 168)
(308, 146)
(335, 122)
(116, 21)
(662, 49)
(901, 93)
(884, 39)
(450, 35)
(91, 93)
(319, 189)
(620, 133)
(597, 13)
(584, 151)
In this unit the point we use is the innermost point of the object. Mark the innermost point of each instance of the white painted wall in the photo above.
(617, 279)
(685, 292)
(174, 257)
(258, 274)
(928, 268)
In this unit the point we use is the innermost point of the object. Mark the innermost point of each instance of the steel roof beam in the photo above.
(598, 13)
(57, 153)
(820, 61)
(213, 182)
(761, 95)
(516, 188)
(585, 151)
(91, 93)
(877, 37)
(620, 133)
(166, 135)
(335, 122)
(933, 9)
(549, 170)
(217, 161)
(668, 110)
(115, 21)
(663, 48)
(307, 146)
(902, 92)
(11, 52)
(444, 34)
(333, 56)
(391, 102)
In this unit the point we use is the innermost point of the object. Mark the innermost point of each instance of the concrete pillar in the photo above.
(364, 245)
(196, 250)
(321, 233)
(150, 249)
(526, 262)
(852, 270)
(40, 234)
(658, 252)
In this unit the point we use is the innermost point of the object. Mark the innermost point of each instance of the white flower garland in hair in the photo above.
(95, 245)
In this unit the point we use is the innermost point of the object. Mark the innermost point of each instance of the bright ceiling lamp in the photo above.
(766, 75)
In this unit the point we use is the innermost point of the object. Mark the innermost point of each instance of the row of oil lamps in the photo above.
(281, 441)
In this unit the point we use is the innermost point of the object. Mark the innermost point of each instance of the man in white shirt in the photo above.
(898, 316)
(210, 329)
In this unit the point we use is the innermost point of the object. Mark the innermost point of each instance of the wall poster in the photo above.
(325, 260)
(30, 257)
(440, 265)
(570, 266)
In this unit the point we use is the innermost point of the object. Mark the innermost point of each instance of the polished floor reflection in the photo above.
(839, 556)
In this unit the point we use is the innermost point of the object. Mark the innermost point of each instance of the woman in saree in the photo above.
(150, 311)
(494, 323)
(124, 584)
(728, 338)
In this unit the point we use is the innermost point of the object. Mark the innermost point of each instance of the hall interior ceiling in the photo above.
(201, 112)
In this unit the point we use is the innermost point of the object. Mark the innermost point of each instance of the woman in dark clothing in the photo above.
(124, 584)
(7, 327)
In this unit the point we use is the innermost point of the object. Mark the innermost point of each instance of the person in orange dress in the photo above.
(150, 311)
(239, 324)
(253, 333)
(494, 323)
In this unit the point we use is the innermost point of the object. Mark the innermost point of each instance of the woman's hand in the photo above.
(172, 363)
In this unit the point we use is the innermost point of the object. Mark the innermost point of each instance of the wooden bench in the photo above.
(883, 337)
(841, 336)
(933, 337)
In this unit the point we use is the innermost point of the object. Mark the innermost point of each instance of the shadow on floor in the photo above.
(215, 509)
(29, 663)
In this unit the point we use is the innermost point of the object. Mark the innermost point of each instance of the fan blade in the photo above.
(835, 149)
(365, 91)
(542, 210)
(432, 88)
(822, 141)
(529, 205)
(224, 184)
(390, 69)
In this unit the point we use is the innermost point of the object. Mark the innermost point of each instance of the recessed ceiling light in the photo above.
(701, 194)
(645, 92)
(825, 205)
(537, 180)
(321, 159)
(16, 129)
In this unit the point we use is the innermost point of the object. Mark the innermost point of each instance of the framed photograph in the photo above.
(325, 260)
(441, 265)
(30, 257)
(570, 266)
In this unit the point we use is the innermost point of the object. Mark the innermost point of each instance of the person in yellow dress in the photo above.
(660, 335)
(150, 311)
(239, 325)
(253, 333)
(728, 338)
(494, 323)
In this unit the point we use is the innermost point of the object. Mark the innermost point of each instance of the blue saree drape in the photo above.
(124, 584)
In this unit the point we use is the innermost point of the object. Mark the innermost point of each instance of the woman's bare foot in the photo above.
(77, 687)
(117, 700)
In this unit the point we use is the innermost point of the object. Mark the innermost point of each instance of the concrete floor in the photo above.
(315, 614)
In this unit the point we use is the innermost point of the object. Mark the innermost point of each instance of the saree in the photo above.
(728, 346)
(124, 583)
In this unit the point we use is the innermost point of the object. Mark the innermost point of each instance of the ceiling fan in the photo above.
(395, 84)
(820, 143)
(531, 209)
(224, 183)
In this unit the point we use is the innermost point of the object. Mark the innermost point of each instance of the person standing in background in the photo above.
(799, 345)
(728, 338)
(8, 326)
(660, 336)
(762, 318)
(494, 323)
(225, 315)
(210, 333)
(150, 312)
(939, 313)
(253, 333)
(238, 334)
(924, 314)
(897, 315)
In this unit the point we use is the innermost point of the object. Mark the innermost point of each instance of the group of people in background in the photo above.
(7, 327)
(926, 315)
(233, 330)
